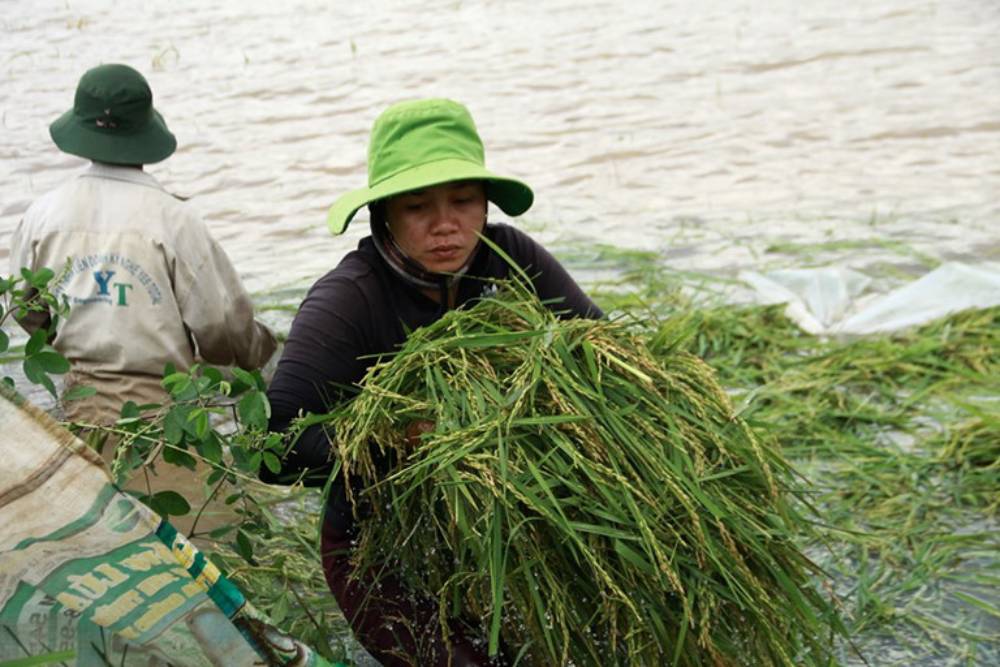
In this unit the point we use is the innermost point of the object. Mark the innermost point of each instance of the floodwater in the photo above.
(709, 131)
(721, 134)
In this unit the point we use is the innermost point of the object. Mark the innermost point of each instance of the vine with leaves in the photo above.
(214, 417)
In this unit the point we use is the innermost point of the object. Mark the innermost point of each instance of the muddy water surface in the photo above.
(704, 130)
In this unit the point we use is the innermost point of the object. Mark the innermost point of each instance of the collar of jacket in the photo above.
(119, 173)
(411, 271)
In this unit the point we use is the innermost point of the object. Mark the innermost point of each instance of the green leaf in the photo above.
(130, 410)
(203, 385)
(36, 342)
(179, 457)
(173, 424)
(4, 338)
(215, 476)
(77, 392)
(633, 557)
(241, 457)
(210, 448)
(243, 547)
(197, 423)
(244, 377)
(40, 278)
(201, 425)
(254, 410)
(171, 379)
(183, 390)
(52, 362)
(279, 612)
(985, 606)
(169, 503)
(272, 463)
(221, 532)
(36, 375)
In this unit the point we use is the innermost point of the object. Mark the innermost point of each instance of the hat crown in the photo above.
(416, 133)
(113, 98)
(422, 143)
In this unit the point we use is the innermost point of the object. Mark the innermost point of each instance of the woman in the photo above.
(427, 195)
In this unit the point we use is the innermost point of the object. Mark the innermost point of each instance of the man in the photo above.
(145, 281)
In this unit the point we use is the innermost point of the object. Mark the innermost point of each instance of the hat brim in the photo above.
(150, 143)
(512, 196)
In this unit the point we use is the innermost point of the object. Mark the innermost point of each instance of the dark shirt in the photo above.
(362, 309)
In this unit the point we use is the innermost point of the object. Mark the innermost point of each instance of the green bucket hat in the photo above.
(113, 119)
(422, 143)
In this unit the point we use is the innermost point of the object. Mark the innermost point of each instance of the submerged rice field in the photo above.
(896, 440)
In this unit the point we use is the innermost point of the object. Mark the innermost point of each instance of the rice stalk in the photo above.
(580, 497)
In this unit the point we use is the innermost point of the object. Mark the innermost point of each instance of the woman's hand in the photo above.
(415, 429)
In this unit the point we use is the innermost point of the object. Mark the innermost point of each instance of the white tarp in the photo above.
(833, 300)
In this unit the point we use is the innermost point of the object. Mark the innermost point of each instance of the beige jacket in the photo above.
(146, 283)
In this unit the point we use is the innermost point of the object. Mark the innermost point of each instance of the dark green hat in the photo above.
(113, 119)
(422, 143)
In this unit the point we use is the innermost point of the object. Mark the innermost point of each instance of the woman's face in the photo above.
(439, 226)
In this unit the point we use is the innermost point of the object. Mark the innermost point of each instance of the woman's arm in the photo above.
(318, 367)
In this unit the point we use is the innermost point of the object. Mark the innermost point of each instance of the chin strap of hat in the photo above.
(406, 267)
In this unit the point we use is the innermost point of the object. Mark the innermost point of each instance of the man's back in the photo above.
(146, 283)
(116, 226)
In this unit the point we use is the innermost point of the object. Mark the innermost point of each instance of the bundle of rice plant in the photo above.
(586, 501)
